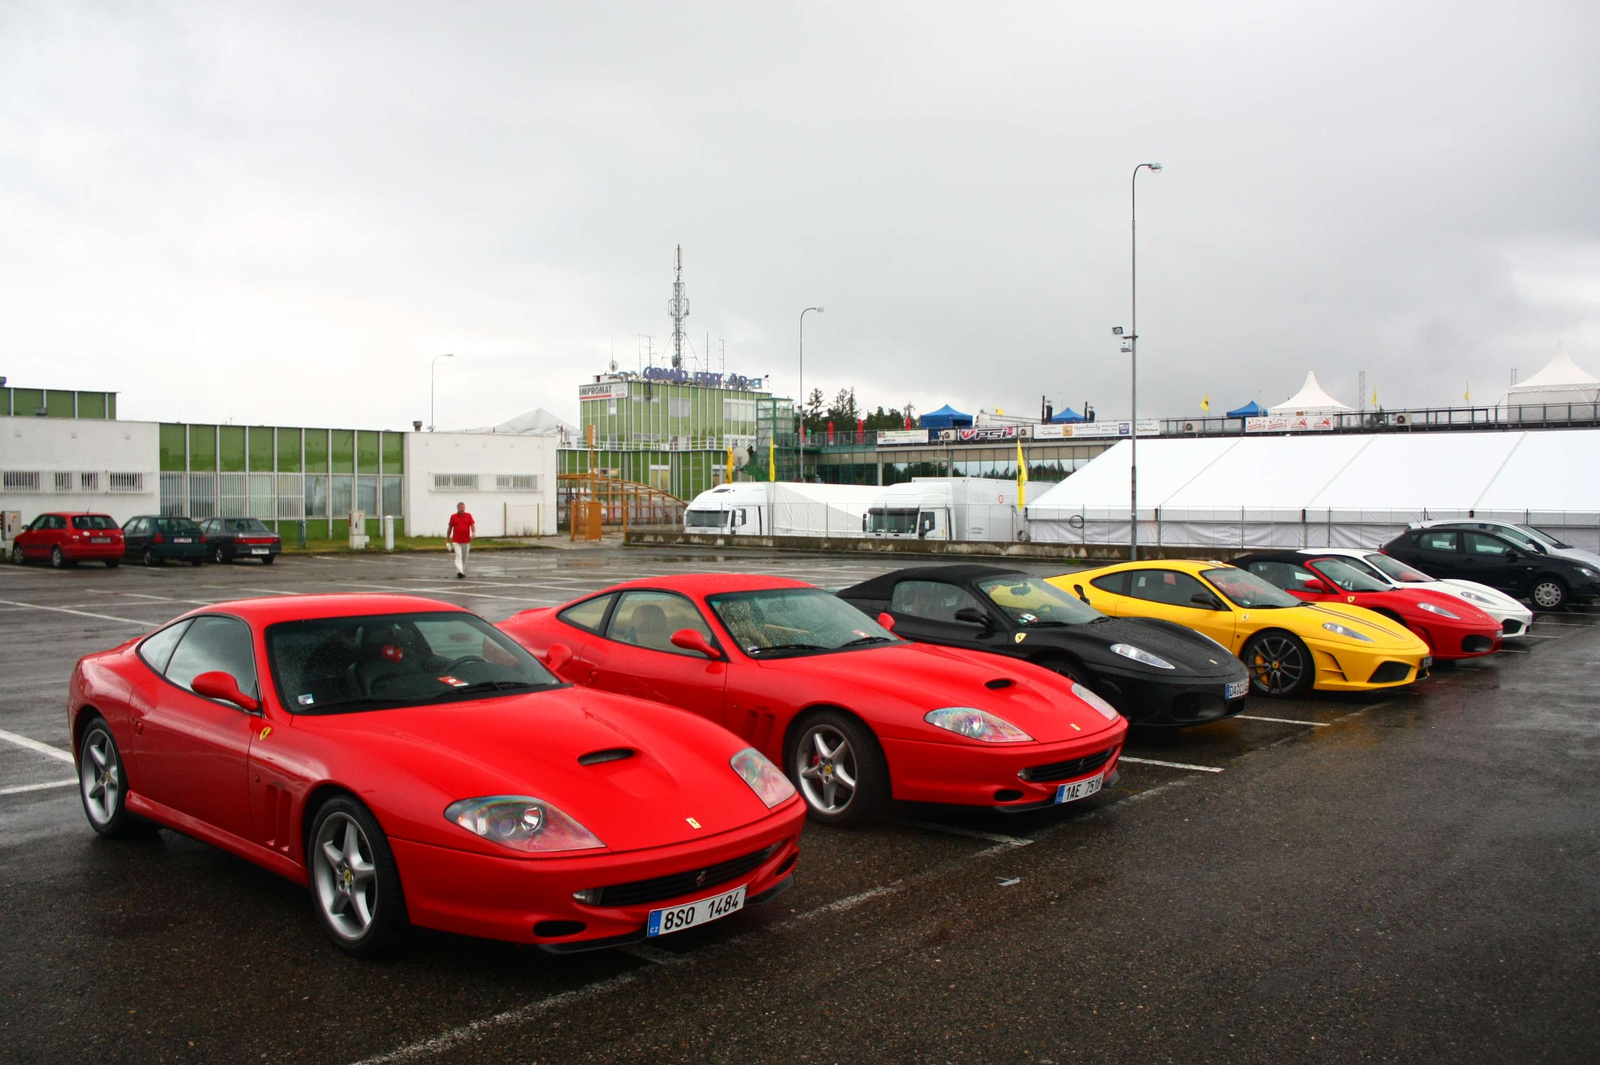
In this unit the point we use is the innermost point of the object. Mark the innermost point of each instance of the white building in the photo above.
(107, 467)
(507, 481)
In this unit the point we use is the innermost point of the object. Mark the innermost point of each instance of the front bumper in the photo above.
(1147, 700)
(509, 898)
(1341, 668)
(974, 774)
(1457, 641)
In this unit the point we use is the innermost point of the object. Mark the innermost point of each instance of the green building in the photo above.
(56, 403)
(671, 429)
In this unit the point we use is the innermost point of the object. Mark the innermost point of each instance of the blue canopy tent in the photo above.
(946, 417)
(1066, 414)
(1249, 410)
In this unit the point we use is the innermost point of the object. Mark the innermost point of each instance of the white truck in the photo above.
(947, 508)
(764, 508)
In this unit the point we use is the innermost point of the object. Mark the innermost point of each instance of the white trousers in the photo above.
(460, 551)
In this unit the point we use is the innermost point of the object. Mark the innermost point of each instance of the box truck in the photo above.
(763, 508)
(947, 508)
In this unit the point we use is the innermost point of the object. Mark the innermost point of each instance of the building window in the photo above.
(317, 496)
(677, 408)
(517, 482)
(63, 481)
(367, 495)
(391, 494)
(20, 480)
(445, 481)
(126, 482)
(89, 481)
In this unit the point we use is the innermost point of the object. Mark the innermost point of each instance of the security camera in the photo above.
(1116, 330)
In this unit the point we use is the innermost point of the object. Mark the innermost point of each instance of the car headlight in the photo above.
(1477, 597)
(1587, 572)
(521, 823)
(1138, 654)
(976, 724)
(764, 778)
(1345, 630)
(1107, 711)
(1441, 611)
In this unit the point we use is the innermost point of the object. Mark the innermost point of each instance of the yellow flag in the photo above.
(1205, 404)
(730, 462)
(1374, 396)
(1467, 395)
(1022, 478)
(999, 410)
(772, 458)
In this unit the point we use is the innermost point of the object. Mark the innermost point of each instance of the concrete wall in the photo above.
(89, 452)
(485, 456)
(668, 536)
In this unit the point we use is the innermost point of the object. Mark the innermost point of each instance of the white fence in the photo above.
(268, 496)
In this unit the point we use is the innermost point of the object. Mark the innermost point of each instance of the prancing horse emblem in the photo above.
(700, 881)
(692, 822)
(1019, 637)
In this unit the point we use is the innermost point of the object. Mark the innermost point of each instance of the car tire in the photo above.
(266, 560)
(1548, 593)
(832, 752)
(17, 557)
(355, 883)
(57, 559)
(113, 563)
(103, 784)
(1279, 664)
(217, 556)
(149, 558)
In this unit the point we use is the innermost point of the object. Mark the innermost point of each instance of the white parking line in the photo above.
(969, 833)
(35, 745)
(1281, 720)
(20, 788)
(1175, 765)
(84, 614)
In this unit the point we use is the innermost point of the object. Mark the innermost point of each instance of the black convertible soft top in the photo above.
(960, 573)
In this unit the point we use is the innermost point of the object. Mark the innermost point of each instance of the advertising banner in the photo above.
(604, 390)
(1096, 430)
(988, 432)
(902, 436)
(1287, 423)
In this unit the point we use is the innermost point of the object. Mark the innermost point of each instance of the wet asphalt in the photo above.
(1401, 877)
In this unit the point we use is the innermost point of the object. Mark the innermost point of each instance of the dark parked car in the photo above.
(1489, 558)
(230, 538)
(152, 539)
(67, 539)
(1154, 672)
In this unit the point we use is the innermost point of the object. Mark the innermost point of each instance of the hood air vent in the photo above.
(998, 683)
(610, 754)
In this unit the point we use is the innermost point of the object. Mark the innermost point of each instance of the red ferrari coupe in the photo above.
(1450, 626)
(856, 715)
(412, 764)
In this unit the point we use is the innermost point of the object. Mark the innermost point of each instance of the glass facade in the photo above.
(56, 403)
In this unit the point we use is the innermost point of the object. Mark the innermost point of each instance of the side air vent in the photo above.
(610, 754)
(998, 683)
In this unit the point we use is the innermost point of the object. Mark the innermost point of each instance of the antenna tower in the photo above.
(678, 308)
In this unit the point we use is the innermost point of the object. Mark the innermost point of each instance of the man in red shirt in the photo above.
(460, 530)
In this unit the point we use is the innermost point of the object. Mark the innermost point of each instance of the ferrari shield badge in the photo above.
(265, 733)
(1019, 637)
(692, 822)
(1349, 598)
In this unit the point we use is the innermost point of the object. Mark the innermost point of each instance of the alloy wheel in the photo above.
(17, 557)
(100, 777)
(344, 876)
(828, 773)
(1549, 594)
(1276, 665)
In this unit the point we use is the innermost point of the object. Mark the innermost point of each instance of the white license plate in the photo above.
(692, 914)
(1238, 688)
(99, 539)
(260, 551)
(1080, 789)
(182, 540)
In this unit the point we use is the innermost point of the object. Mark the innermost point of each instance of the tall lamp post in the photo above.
(432, 378)
(1133, 371)
(800, 440)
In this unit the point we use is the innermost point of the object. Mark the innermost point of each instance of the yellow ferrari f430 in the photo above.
(1289, 646)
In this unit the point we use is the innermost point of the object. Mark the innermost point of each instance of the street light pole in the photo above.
(800, 440)
(1133, 373)
(432, 377)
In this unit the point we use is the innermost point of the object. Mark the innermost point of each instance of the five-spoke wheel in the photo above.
(354, 881)
(838, 766)
(101, 783)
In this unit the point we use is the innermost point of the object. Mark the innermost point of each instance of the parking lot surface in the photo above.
(1400, 877)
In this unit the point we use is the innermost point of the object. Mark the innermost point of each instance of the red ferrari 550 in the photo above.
(413, 765)
(856, 715)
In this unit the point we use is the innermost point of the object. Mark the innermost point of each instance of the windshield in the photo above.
(1393, 568)
(1031, 601)
(1543, 537)
(777, 621)
(705, 519)
(1247, 590)
(1348, 577)
(892, 520)
(177, 525)
(337, 665)
(93, 521)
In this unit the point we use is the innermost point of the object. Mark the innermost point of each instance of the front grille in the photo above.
(1474, 644)
(1510, 627)
(1075, 767)
(675, 884)
(1390, 672)
(1198, 706)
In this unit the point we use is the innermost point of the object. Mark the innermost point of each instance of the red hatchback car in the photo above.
(413, 765)
(1450, 626)
(856, 715)
(67, 538)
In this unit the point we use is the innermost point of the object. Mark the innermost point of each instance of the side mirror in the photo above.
(886, 621)
(1512, 556)
(690, 640)
(1317, 585)
(1204, 601)
(220, 685)
(973, 616)
(557, 657)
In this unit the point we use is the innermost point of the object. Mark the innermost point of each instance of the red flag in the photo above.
(830, 432)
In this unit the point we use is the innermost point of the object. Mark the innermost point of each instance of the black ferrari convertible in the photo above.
(1153, 672)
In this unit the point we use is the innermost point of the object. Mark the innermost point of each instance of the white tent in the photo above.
(536, 422)
(1560, 383)
(1311, 399)
(1316, 491)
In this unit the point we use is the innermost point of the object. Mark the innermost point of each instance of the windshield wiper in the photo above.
(868, 639)
(362, 703)
(495, 686)
(793, 647)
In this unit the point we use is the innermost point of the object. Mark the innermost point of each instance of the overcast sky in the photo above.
(280, 212)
